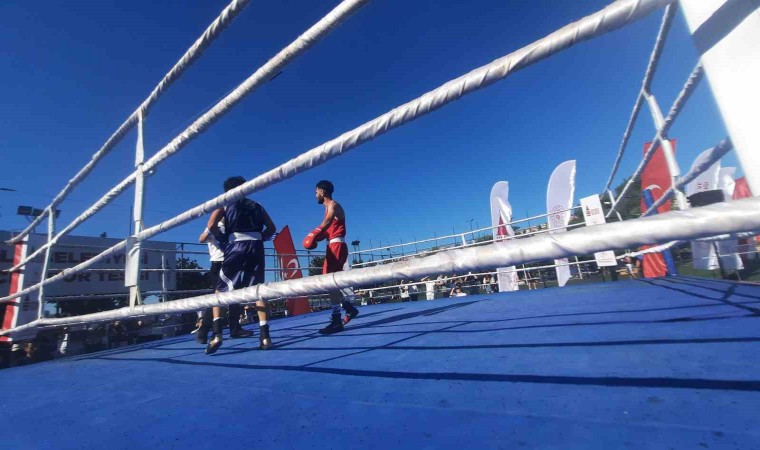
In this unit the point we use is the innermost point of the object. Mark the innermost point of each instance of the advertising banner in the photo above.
(290, 269)
(501, 215)
(559, 199)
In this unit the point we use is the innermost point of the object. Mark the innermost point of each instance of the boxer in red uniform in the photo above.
(332, 228)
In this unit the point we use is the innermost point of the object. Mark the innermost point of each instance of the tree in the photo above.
(78, 307)
(576, 217)
(191, 280)
(315, 265)
(630, 205)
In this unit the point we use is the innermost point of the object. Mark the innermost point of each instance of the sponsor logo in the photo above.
(292, 269)
(557, 216)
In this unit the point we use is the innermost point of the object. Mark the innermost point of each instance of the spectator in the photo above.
(404, 292)
(629, 266)
(429, 288)
(133, 330)
(414, 292)
(440, 284)
(117, 335)
(93, 341)
(30, 354)
(487, 284)
(456, 291)
(469, 283)
(531, 278)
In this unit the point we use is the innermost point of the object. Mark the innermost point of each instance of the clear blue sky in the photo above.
(73, 71)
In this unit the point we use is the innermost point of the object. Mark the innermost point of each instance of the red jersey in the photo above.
(335, 229)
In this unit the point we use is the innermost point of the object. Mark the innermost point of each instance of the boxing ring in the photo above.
(653, 363)
(666, 363)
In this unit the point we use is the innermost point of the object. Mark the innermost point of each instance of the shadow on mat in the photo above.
(283, 344)
(727, 293)
(310, 335)
(654, 382)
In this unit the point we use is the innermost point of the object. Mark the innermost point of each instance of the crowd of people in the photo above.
(77, 340)
(430, 288)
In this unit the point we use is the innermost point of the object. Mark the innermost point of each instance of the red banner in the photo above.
(741, 189)
(290, 269)
(10, 315)
(653, 264)
(656, 176)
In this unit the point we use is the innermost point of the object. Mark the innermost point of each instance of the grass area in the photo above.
(751, 272)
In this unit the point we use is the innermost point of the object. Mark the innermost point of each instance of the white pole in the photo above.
(726, 34)
(163, 277)
(46, 262)
(667, 150)
(612, 204)
(132, 269)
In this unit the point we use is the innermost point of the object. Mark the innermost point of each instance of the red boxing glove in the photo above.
(311, 239)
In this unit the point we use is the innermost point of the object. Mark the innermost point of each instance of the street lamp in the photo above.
(355, 245)
(29, 212)
(471, 231)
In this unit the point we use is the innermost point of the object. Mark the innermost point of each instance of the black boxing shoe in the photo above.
(335, 325)
(351, 312)
(265, 342)
(214, 345)
(241, 333)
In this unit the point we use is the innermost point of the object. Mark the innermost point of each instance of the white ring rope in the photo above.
(716, 153)
(720, 237)
(261, 76)
(612, 17)
(735, 216)
(661, 134)
(654, 58)
(691, 84)
(56, 298)
(457, 235)
(193, 53)
(360, 292)
(470, 244)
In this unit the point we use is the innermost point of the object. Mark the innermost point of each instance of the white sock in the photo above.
(263, 322)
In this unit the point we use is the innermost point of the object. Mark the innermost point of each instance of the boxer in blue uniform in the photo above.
(247, 226)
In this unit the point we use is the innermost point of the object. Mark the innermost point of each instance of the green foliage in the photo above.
(191, 280)
(90, 306)
(315, 265)
(630, 205)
